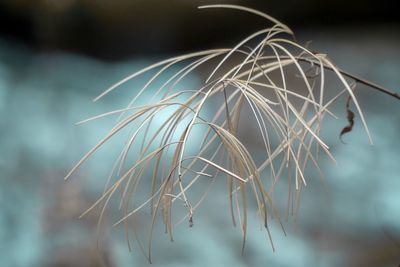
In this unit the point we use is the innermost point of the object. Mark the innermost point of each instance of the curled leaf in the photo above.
(350, 119)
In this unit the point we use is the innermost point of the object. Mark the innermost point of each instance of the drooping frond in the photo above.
(268, 80)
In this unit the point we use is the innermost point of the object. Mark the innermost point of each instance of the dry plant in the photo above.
(256, 75)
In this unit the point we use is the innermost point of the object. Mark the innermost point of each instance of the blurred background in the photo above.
(57, 55)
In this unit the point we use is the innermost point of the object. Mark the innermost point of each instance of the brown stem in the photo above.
(370, 84)
(356, 78)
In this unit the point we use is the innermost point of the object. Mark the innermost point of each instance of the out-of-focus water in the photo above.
(351, 220)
